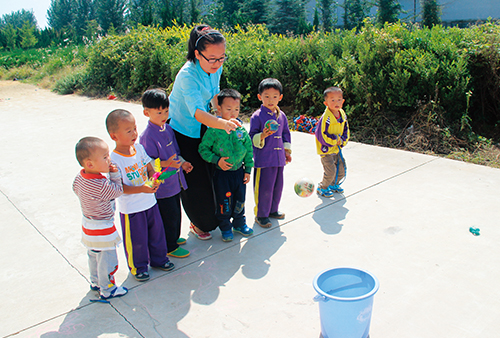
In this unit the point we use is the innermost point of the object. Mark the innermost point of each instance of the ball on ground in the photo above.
(304, 187)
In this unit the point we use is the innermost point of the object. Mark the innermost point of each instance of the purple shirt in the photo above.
(160, 143)
(273, 152)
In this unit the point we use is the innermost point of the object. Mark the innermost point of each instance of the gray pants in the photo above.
(330, 163)
(102, 266)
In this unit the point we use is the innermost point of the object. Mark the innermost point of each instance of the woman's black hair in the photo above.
(200, 37)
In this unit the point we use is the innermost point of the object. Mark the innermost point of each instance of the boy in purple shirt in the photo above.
(159, 142)
(271, 150)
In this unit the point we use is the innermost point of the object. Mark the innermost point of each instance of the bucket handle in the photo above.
(319, 298)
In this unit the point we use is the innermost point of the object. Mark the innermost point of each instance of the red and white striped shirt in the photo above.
(97, 194)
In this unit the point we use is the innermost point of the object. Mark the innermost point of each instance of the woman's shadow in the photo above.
(329, 214)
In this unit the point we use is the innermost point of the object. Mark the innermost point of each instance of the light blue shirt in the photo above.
(193, 89)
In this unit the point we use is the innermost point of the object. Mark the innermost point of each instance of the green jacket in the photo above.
(216, 143)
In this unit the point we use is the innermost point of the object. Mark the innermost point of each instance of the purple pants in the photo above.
(268, 187)
(144, 239)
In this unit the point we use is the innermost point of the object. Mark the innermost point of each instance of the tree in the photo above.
(254, 12)
(171, 11)
(111, 13)
(194, 11)
(84, 13)
(18, 18)
(143, 12)
(325, 6)
(10, 35)
(316, 19)
(431, 13)
(388, 11)
(60, 13)
(290, 16)
(27, 35)
(355, 11)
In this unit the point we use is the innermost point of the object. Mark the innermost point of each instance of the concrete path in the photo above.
(404, 217)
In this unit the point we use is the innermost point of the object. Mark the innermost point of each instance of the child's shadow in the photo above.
(329, 214)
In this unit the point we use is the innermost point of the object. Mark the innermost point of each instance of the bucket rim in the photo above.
(346, 299)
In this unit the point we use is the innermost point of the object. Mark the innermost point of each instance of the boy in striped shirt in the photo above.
(97, 194)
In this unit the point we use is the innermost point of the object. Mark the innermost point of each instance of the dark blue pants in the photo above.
(230, 196)
(170, 210)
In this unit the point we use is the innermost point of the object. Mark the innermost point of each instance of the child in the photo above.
(158, 140)
(332, 134)
(233, 155)
(271, 149)
(97, 193)
(139, 214)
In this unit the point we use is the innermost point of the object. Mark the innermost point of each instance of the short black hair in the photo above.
(232, 93)
(85, 147)
(114, 118)
(155, 98)
(200, 37)
(270, 83)
(332, 90)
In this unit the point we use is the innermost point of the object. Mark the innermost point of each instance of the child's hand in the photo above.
(288, 157)
(265, 133)
(187, 167)
(339, 141)
(113, 168)
(223, 164)
(246, 178)
(150, 190)
(171, 162)
(231, 125)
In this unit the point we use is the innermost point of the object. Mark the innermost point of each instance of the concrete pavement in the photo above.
(404, 217)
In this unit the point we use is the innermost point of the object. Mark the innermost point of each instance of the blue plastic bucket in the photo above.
(345, 297)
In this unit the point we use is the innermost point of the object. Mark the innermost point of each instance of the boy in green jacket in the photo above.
(233, 155)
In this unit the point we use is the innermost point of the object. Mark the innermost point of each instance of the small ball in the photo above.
(304, 187)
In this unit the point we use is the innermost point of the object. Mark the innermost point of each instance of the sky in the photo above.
(39, 7)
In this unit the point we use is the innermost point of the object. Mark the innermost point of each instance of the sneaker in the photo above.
(117, 292)
(335, 188)
(264, 222)
(166, 267)
(245, 230)
(142, 276)
(181, 241)
(198, 233)
(179, 253)
(227, 236)
(324, 192)
(277, 215)
(94, 287)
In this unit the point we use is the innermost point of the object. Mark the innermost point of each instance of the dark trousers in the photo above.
(198, 199)
(170, 210)
(230, 196)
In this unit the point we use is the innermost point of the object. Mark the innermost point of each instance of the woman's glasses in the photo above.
(212, 61)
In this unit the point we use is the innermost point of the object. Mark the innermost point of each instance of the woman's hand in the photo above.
(231, 125)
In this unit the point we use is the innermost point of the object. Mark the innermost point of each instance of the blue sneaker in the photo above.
(335, 188)
(245, 230)
(227, 236)
(324, 192)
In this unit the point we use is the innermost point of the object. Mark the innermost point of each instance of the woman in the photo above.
(195, 87)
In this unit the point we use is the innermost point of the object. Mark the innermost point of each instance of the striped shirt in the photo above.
(97, 194)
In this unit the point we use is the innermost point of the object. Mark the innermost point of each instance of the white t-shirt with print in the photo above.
(134, 172)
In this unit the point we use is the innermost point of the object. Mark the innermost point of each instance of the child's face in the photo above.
(99, 161)
(229, 109)
(126, 133)
(157, 116)
(211, 53)
(334, 101)
(270, 98)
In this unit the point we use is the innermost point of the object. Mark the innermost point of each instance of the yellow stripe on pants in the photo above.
(256, 189)
(128, 245)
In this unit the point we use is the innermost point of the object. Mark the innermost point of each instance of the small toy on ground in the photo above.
(305, 124)
(304, 187)
(474, 231)
(272, 125)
